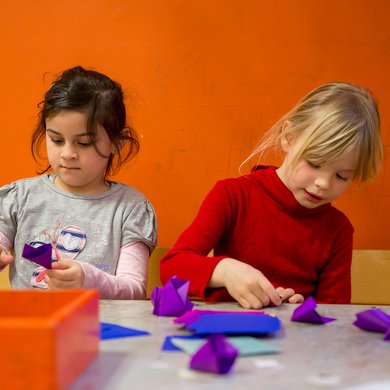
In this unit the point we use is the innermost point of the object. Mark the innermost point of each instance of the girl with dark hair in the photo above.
(102, 232)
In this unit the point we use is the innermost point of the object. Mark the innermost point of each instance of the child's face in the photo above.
(79, 167)
(313, 186)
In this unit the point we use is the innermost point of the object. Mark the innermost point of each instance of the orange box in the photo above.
(48, 338)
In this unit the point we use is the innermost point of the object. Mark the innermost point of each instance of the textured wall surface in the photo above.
(204, 80)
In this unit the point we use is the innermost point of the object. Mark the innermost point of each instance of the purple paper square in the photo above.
(41, 255)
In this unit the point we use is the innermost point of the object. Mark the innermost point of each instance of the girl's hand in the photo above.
(247, 285)
(5, 257)
(288, 295)
(65, 274)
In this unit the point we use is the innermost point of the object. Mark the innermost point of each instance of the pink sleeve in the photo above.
(131, 274)
(6, 244)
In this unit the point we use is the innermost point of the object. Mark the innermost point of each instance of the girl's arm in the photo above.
(128, 283)
(189, 259)
(5, 247)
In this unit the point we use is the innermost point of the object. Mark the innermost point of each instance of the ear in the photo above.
(286, 138)
(122, 137)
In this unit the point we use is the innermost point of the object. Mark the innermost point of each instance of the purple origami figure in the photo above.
(171, 299)
(306, 312)
(217, 355)
(40, 255)
(374, 320)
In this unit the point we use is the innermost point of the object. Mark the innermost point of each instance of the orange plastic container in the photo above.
(47, 337)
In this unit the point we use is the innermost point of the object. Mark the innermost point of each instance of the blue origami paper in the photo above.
(374, 320)
(113, 331)
(306, 312)
(236, 323)
(40, 255)
(168, 344)
(171, 299)
(191, 316)
(217, 355)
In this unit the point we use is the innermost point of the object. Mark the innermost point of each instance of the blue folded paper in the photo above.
(113, 331)
(169, 346)
(236, 323)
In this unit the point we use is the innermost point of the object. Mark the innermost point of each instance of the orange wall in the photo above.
(206, 79)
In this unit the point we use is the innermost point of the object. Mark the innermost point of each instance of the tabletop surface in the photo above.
(336, 355)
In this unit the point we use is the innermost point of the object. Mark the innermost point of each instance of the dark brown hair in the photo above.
(101, 99)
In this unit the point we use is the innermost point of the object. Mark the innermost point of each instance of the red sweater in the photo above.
(257, 220)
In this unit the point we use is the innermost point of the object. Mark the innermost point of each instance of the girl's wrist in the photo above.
(218, 277)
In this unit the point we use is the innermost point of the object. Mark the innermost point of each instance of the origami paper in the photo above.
(191, 316)
(168, 345)
(246, 345)
(171, 299)
(306, 313)
(374, 320)
(236, 323)
(40, 255)
(216, 355)
(112, 331)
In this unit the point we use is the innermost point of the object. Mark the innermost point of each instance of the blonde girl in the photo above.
(274, 233)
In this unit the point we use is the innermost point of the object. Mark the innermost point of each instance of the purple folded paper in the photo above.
(374, 320)
(42, 255)
(171, 299)
(306, 313)
(217, 355)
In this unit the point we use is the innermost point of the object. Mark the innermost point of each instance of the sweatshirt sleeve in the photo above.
(334, 281)
(130, 279)
(6, 244)
(189, 258)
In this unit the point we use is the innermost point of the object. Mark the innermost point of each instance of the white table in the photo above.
(333, 356)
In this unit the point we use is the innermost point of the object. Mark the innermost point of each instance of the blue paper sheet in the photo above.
(169, 346)
(236, 323)
(113, 331)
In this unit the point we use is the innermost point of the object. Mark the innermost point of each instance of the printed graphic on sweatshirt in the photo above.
(66, 243)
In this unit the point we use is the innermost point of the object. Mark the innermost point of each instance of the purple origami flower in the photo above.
(306, 313)
(171, 299)
(374, 320)
(217, 355)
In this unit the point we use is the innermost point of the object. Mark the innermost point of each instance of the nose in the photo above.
(322, 181)
(68, 152)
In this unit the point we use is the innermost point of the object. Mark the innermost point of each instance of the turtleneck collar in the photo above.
(277, 190)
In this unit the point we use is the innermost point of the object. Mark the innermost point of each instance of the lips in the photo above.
(64, 167)
(314, 198)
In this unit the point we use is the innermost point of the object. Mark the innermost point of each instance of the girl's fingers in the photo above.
(296, 298)
(251, 301)
(270, 291)
(61, 264)
(285, 293)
